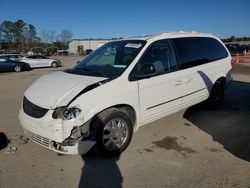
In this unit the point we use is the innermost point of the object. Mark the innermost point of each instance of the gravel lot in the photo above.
(192, 148)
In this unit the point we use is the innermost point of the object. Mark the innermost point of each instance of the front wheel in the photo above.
(114, 130)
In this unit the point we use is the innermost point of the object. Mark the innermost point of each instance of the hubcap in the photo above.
(17, 68)
(115, 134)
(54, 65)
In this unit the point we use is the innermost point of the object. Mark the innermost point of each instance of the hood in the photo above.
(58, 88)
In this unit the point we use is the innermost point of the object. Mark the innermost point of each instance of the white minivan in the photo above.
(121, 86)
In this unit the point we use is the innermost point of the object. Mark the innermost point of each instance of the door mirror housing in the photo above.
(77, 62)
(146, 71)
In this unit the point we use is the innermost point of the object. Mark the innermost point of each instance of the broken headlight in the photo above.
(66, 113)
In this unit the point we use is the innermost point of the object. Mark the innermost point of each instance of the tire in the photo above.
(3, 141)
(54, 64)
(17, 68)
(113, 130)
(216, 96)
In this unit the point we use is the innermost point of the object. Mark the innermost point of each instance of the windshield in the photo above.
(110, 60)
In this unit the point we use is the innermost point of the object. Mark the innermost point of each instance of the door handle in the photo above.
(178, 83)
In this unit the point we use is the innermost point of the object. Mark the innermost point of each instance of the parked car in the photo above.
(234, 48)
(246, 47)
(12, 56)
(12, 65)
(63, 52)
(88, 51)
(46, 54)
(105, 98)
(41, 61)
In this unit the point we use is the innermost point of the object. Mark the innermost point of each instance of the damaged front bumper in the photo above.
(57, 135)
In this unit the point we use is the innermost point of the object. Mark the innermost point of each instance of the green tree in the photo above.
(31, 35)
(7, 30)
(19, 28)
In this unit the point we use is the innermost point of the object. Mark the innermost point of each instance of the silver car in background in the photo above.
(36, 61)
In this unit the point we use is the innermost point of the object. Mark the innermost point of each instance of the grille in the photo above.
(32, 109)
(37, 138)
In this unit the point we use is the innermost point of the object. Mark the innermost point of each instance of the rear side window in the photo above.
(191, 51)
(214, 49)
(194, 51)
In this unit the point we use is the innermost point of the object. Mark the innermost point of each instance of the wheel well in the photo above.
(123, 107)
(222, 80)
(129, 111)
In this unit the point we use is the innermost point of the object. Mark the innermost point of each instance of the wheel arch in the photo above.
(222, 80)
(54, 61)
(221, 77)
(126, 108)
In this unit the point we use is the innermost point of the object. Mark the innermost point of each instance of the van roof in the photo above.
(169, 35)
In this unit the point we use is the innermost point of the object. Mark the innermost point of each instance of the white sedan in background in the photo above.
(41, 61)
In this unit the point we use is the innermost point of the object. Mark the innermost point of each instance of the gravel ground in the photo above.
(192, 148)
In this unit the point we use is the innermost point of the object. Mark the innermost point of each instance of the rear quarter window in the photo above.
(214, 49)
(194, 51)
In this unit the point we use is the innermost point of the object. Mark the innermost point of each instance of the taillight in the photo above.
(232, 62)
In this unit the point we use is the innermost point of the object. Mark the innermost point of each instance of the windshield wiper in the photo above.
(91, 70)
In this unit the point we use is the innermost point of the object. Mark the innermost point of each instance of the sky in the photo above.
(124, 18)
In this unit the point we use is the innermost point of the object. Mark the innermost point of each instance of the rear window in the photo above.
(193, 51)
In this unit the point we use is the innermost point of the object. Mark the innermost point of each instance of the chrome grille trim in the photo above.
(37, 138)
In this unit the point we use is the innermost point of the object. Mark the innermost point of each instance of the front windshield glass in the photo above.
(110, 60)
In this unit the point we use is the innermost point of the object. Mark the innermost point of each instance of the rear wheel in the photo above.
(18, 68)
(54, 64)
(114, 130)
(216, 97)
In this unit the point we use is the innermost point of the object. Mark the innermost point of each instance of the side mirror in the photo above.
(77, 62)
(146, 71)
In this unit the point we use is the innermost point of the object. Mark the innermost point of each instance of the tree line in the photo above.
(21, 36)
(236, 39)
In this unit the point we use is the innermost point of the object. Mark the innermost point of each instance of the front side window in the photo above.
(160, 55)
(2, 60)
(41, 57)
(110, 60)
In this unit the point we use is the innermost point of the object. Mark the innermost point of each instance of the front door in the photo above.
(162, 92)
(5, 65)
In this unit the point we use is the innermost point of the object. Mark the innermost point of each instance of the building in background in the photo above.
(79, 46)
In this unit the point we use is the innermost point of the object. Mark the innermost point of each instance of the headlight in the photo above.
(66, 113)
(71, 113)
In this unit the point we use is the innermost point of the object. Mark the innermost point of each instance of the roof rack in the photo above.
(148, 36)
